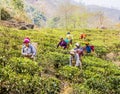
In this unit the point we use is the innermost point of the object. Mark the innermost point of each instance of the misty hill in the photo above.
(110, 12)
(58, 13)
(50, 8)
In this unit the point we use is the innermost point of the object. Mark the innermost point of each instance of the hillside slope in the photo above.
(106, 11)
(50, 73)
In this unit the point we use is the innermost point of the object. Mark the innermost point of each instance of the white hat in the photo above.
(77, 44)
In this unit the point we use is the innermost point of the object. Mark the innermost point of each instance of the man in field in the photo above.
(76, 54)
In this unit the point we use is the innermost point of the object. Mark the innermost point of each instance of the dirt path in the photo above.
(67, 89)
(113, 57)
(117, 63)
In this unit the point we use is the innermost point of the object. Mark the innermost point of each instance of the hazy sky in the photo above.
(105, 3)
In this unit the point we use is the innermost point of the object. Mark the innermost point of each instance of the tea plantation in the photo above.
(49, 73)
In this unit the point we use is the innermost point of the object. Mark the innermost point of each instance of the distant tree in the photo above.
(4, 15)
(39, 19)
(71, 15)
(18, 4)
(99, 20)
(54, 22)
(15, 9)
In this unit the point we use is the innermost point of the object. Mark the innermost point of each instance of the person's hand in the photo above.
(29, 54)
(25, 54)
(32, 56)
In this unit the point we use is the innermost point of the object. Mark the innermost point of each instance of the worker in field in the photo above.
(28, 50)
(76, 54)
(83, 36)
(65, 42)
(69, 37)
(62, 43)
(88, 48)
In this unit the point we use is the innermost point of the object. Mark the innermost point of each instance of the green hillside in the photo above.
(50, 73)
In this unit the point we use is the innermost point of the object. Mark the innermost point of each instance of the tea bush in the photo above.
(115, 83)
(51, 85)
(24, 65)
(58, 59)
(22, 82)
(98, 74)
(26, 84)
(70, 73)
(99, 83)
(83, 89)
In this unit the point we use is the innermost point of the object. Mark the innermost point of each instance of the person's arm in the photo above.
(92, 48)
(65, 46)
(81, 36)
(22, 51)
(34, 51)
(58, 44)
(82, 53)
(72, 37)
(71, 40)
(70, 60)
